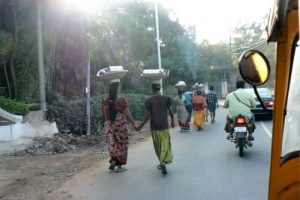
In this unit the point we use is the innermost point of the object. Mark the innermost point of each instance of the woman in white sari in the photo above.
(182, 113)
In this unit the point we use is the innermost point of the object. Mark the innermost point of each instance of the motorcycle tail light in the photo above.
(268, 103)
(240, 120)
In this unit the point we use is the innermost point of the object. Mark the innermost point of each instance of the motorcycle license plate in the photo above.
(240, 129)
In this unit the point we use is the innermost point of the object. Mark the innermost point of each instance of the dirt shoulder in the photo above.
(23, 176)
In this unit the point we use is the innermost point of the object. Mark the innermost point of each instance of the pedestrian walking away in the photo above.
(199, 105)
(115, 112)
(182, 114)
(212, 103)
(188, 104)
(157, 108)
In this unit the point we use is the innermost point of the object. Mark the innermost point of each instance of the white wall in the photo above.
(19, 136)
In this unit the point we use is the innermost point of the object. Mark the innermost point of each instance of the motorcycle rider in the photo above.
(239, 102)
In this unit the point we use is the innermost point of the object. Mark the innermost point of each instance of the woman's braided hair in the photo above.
(112, 97)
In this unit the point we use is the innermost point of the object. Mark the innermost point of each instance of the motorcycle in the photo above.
(241, 134)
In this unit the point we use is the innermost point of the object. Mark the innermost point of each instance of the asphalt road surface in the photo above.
(205, 166)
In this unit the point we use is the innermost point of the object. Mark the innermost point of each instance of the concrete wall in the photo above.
(10, 117)
(27, 130)
(19, 136)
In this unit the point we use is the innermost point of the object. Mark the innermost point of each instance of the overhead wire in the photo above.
(257, 44)
(247, 47)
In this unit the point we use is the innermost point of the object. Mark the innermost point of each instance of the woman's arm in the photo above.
(172, 118)
(128, 115)
(204, 102)
(147, 117)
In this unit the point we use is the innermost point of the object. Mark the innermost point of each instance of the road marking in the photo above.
(266, 129)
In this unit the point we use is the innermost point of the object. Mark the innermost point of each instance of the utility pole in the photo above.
(88, 85)
(230, 41)
(158, 43)
(88, 97)
(41, 59)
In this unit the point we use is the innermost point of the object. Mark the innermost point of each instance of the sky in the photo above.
(213, 19)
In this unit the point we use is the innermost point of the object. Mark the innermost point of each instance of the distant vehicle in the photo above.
(267, 99)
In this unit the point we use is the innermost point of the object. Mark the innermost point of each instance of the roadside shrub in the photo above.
(13, 106)
(96, 114)
(136, 104)
(71, 114)
(33, 106)
(68, 115)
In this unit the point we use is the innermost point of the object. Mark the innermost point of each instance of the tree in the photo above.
(209, 55)
(132, 42)
(16, 19)
(251, 36)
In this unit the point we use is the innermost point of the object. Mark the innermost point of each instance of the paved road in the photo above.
(206, 166)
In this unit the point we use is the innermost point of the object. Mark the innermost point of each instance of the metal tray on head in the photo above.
(112, 72)
(155, 74)
(198, 86)
(180, 85)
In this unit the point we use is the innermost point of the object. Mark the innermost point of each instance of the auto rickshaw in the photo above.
(283, 28)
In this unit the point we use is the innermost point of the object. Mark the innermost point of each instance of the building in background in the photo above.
(223, 78)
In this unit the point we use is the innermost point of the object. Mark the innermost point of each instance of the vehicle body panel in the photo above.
(284, 178)
(266, 98)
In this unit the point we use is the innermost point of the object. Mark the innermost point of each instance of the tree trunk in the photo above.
(12, 53)
(7, 81)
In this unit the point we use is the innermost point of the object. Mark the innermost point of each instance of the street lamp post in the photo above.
(158, 42)
(88, 99)
(88, 86)
(40, 59)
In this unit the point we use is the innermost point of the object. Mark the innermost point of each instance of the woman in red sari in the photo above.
(115, 111)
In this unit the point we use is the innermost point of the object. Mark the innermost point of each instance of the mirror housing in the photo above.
(254, 67)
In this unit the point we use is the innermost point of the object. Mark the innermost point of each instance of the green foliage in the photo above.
(5, 43)
(14, 107)
(170, 91)
(250, 36)
(245, 37)
(124, 34)
(71, 114)
(136, 104)
(17, 20)
(27, 70)
(34, 106)
(96, 114)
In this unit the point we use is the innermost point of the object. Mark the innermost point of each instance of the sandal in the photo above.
(112, 165)
(164, 169)
(121, 169)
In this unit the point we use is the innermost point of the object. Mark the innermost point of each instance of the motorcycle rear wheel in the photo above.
(241, 147)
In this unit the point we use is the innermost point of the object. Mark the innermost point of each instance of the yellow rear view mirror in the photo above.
(254, 67)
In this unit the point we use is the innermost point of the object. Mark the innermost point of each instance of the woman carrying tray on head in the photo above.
(182, 113)
(199, 106)
(115, 111)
